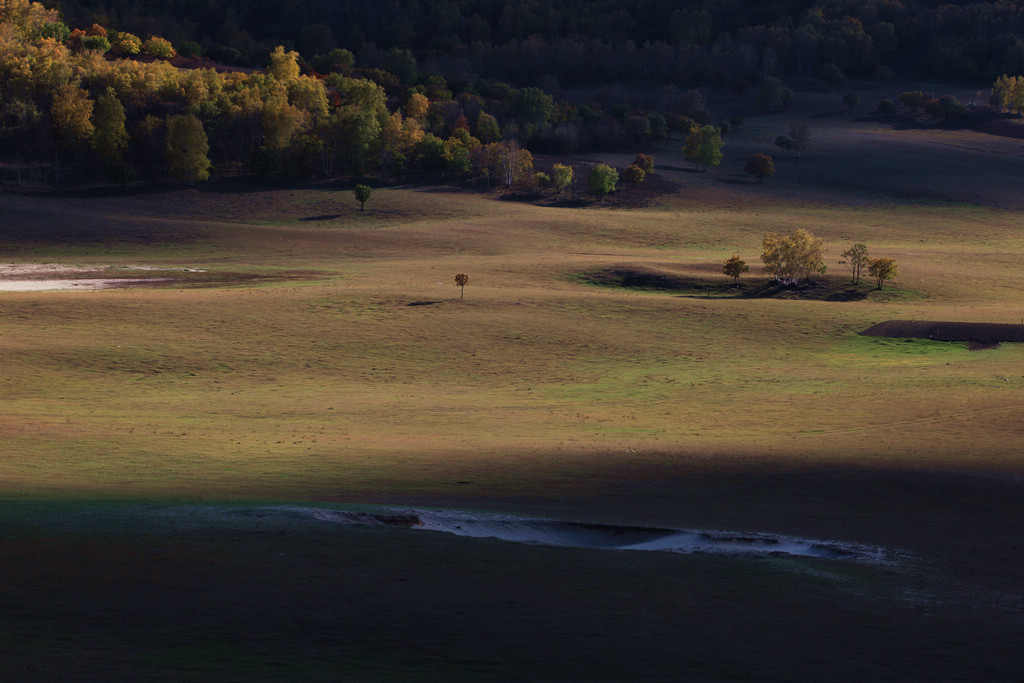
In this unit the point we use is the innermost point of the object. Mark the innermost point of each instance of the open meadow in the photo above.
(292, 351)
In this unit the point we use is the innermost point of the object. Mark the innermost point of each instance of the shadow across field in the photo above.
(323, 217)
(20, 228)
(649, 279)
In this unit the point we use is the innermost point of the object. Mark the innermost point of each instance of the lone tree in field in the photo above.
(462, 280)
(784, 143)
(735, 267)
(791, 258)
(885, 108)
(644, 161)
(883, 269)
(800, 134)
(704, 146)
(634, 175)
(602, 180)
(759, 166)
(363, 193)
(857, 258)
(561, 177)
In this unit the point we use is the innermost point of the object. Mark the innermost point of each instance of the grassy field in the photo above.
(320, 355)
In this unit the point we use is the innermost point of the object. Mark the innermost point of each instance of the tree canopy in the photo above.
(362, 194)
(734, 267)
(704, 146)
(633, 174)
(794, 257)
(857, 258)
(187, 148)
(883, 269)
(602, 180)
(759, 166)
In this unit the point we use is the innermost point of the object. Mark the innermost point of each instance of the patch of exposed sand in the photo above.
(38, 277)
(81, 285)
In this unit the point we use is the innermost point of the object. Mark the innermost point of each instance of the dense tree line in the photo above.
(103, 100)
(575, 41)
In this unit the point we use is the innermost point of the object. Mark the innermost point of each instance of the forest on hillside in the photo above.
(579, 41)
(125, 91)
(87, 103)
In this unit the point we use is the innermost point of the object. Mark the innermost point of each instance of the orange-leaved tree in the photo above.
(794, 257)
(883, 269)
(734, 267)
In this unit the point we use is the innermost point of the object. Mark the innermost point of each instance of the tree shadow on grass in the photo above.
(324, 217)
(827, 114)
(679, 169)
(647, 279)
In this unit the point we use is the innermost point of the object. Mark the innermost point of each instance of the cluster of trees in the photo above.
(109, 105)
(881, 269)
(578, 41)
(800, 256)
(797, 138)
(1008, 93)
(945, 107)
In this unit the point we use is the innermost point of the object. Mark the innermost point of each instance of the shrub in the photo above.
(159, 48)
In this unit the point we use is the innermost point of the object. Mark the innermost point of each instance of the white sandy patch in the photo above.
(81, 285)
(39, 277)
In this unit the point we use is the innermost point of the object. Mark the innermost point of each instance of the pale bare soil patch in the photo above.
(38, 277)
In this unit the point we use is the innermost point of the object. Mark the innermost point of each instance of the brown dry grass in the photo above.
(350, 372)
(532, 361)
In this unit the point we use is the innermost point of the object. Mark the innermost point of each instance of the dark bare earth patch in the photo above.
(982, 335)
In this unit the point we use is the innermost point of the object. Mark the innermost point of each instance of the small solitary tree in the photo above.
(800, 134)
(462, 280)
(703, 147)
(645, 161)
(634, 175)
(851, 99)
(883, 269)
(759, 166)
(857, 258)
(734, 267)
(602, 180)
(784, 143)
(363, 193)
(561, 177)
